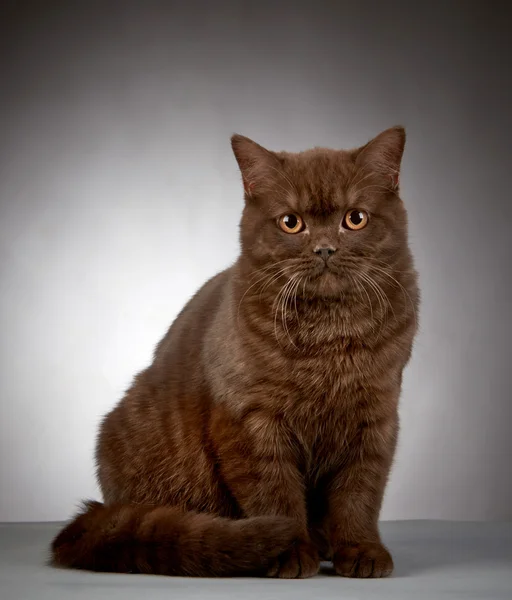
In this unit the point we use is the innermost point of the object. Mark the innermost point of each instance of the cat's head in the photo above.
(324, 219)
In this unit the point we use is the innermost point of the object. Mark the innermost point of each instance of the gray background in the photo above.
(119, 196)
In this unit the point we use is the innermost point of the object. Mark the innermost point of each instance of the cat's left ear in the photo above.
(255, 162)
(383, 155)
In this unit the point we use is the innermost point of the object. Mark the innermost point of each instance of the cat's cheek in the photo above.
(262, 250)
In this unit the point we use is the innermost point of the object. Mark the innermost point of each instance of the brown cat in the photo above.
(260, 439)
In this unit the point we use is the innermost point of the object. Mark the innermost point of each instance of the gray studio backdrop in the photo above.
(119, 197)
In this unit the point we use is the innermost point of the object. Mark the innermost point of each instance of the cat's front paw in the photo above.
(363, 560)
(300, 562)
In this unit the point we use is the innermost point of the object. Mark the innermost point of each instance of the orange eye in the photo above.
(291, 223)
(355, 219)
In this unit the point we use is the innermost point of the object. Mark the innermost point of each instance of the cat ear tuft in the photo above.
(252, 160)
(383, 154)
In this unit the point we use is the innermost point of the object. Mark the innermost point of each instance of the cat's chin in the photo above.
(328, 285)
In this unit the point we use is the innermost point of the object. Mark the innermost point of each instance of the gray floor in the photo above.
(434, 560)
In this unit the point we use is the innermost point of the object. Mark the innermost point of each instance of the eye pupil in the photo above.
(290, 221)
(356, 217)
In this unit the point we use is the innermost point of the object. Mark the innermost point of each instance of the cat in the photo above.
(260, 439)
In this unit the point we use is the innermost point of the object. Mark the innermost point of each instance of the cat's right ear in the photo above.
(253, 160)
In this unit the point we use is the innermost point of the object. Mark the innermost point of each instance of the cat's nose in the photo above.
(324, 251)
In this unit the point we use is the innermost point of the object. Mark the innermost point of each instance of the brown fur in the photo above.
(261, 437)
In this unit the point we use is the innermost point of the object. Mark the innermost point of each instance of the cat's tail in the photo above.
(130, 538)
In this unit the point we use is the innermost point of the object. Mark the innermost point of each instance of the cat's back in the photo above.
(176, 373)
(185, 337)
(157, 428)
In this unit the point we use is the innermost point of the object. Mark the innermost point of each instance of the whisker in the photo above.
(273, 278)
(268, 267)
(263, 278)
(291, 291)
(295, 298)
(283, 307)
(405, 293)
(378, 294)
(277, 304)
(359, 287)
(389, 303)
(358, 262)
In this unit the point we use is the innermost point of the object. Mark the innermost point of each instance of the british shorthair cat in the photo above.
(260, 439)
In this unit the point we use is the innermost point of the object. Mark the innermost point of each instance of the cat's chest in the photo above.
(320, 430)
(321, 441)
(329, 406)
(332, 372)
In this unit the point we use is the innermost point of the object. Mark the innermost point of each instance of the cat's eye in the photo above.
(355, 219)
(291, 223)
